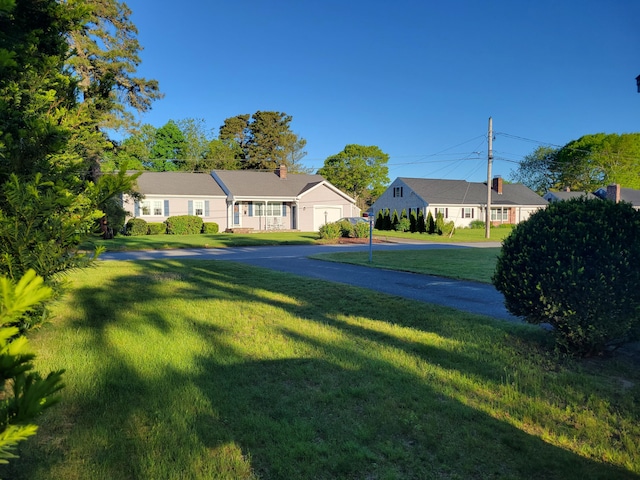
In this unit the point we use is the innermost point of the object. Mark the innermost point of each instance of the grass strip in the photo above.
(476, 264)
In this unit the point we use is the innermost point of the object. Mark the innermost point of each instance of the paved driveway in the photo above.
(467, 296)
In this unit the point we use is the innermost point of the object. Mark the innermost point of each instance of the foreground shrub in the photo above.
(574, 265)
(476, 224)
(136, 227)
(184, 225)
(157, 228)
(346, 229)
(24, 394)
(210, 228)
(330, 231)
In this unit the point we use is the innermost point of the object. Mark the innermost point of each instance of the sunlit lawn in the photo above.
(476, 264)
(213, 370)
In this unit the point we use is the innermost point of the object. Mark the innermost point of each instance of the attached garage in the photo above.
(326, 214)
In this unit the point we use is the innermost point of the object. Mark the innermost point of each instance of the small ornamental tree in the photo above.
(387, 219)
(574, 265)
(439, 224)
(379, 221)
(413, 222)
(422, 227)
(430, 224)
(395, 219)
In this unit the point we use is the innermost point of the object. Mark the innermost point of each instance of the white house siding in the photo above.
(408, 201)
(179, 206)
(313, 201)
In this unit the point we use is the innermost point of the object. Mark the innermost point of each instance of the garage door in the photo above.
(322, 215)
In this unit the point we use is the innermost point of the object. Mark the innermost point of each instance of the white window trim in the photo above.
(197, 203)
(152, 208)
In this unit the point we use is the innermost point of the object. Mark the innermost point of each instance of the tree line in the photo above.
(585, 164)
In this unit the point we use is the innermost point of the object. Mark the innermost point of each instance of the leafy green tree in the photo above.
(538, 170)
(235, 133)
(196, 145)
(221, 156)
(585, 164)
(24, 394)
(439, 228)
(169, 145)
(358, 170)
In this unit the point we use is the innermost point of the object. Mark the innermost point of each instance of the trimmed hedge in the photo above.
(210, 228)
(330, 231)
(136, 227)
(157, 228)
(184, 225)
(574, 265)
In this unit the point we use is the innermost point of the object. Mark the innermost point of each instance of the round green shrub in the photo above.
(184, 225)
(330, 231)
(403, 225)
(210, 228)
(136, 227)
(361, 230)
(574, 265)
(157, 228)
(346, 229)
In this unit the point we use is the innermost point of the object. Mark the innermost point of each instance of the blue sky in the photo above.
(419, 79)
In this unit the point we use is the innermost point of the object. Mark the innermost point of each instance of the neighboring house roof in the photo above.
(626, 195)
(178, 183)
(253, 184)
(559, 196)
(461, 192)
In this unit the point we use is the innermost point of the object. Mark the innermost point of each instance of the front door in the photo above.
(236, 214)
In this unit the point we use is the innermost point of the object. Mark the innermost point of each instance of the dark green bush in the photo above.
(137, 227)
(330, 231)
(210, 228)
(157, 228)
(184, 225)
(430, 224)
(575, 266)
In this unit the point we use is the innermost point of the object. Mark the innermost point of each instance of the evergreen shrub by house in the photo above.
(403, 225)
(361, 230)
(184, 225)
(346, 229)
(157, 228)
(476, 224)
(330, 231)
(210, 228)
(575, 265)
(136, 227)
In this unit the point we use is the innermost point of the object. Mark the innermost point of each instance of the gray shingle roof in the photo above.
(568, 195)
(247, 183)
(178, 183)
(461, 192)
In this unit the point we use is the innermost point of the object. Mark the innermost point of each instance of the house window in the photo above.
(151, 208)
(443, 211)
(198, 208)
(500, 214)
(397, 191)
(274, 209)
(467, 212)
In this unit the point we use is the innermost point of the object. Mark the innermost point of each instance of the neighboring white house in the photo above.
(460, 201)
(242, 199)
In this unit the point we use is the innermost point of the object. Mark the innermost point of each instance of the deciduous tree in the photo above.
(359, 171)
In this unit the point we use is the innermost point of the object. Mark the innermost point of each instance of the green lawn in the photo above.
(214, 370)
(477, 264)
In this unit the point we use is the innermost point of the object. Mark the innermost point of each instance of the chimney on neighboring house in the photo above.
(282, 171)
(567, 189)
(613, 192)
(497, 184)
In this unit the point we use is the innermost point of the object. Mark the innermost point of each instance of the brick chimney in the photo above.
(497, 185)
(282, 171)
(613, 192)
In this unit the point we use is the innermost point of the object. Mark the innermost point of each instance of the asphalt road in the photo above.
(466, 296)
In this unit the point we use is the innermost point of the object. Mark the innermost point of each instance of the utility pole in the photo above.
(487, 223)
